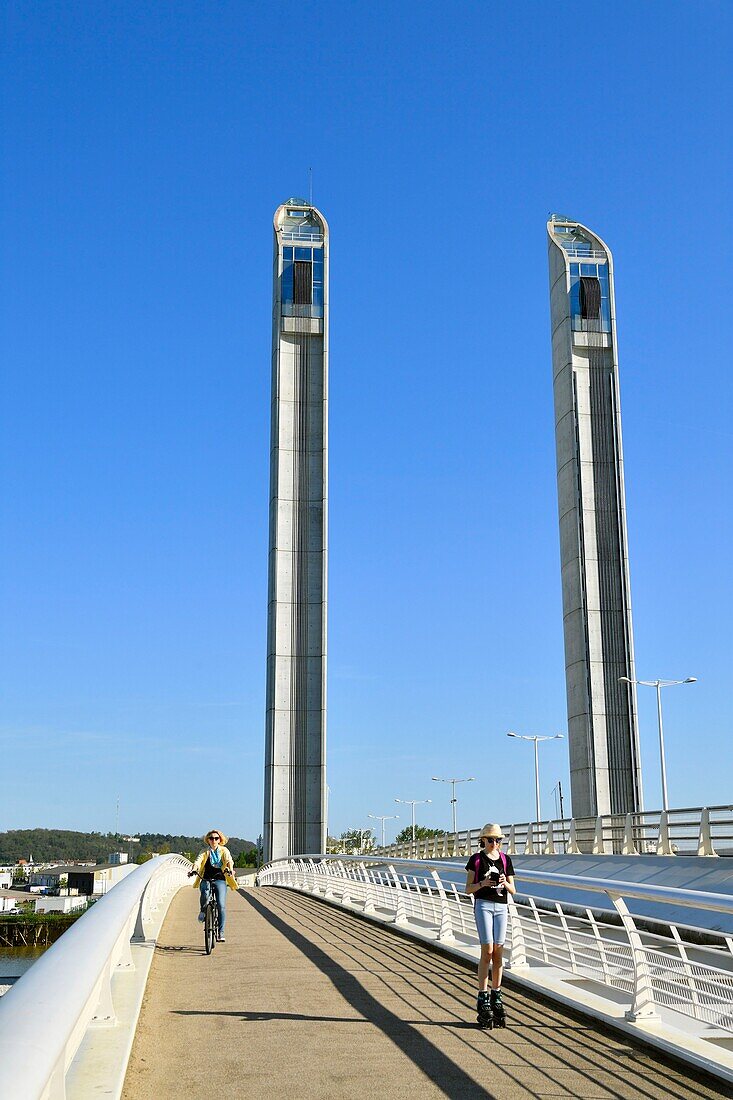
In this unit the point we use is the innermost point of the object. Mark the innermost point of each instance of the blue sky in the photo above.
(147, 147)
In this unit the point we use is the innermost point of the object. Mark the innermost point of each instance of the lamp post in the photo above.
(536, 739)
(659, 684)
(413, 802)
(454, 800)
(383, 818)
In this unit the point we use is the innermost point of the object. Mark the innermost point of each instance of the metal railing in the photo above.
(700, 831)
(581, 253)
(653, 971)
(306, 233)
(46, 1014)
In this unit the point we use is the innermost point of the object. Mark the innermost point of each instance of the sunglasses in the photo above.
(213, 836)
(492, 839)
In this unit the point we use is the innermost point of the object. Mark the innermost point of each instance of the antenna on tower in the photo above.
(310, 186)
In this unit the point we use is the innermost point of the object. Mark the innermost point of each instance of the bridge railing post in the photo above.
(529, 842)
(664, 844)
(446, 923)
(628, 846)
(549, 849)
(573, 848)
(568, 937)
(705, 835)
(599, 838)
(643, 1007)
(400, 910)
(601, 945)
(540, 929)
(518, 948)
(689, 972)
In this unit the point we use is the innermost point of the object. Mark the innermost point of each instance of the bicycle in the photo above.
(211, 920)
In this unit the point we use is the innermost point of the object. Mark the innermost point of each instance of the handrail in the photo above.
(697, 830)
(664, 895)
(44, 1016)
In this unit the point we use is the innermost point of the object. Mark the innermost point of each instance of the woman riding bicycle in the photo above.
(214, 870)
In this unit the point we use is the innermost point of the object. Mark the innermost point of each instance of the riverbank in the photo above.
(35, 931)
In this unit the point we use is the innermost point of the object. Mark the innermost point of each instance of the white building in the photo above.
(11, 900)
(65, 903)
(605, 764)
(295, 751)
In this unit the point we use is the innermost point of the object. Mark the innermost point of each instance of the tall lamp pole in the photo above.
(536, 739)
(383, 818)
(659, 684)
(454, 800)
(413, 802)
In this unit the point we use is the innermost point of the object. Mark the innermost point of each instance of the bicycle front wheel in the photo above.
(209, 929)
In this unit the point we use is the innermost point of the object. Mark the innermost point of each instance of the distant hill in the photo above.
(63, 844)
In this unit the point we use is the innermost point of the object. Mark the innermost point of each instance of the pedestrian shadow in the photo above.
(437, 1066)
(264, 1017)
(179, 949)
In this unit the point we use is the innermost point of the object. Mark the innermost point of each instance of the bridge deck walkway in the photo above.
(305, 1000)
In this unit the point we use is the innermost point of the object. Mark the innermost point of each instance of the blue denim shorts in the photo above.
(491, 920)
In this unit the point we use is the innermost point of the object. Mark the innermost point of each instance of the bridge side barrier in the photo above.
(45, 1016)
(669, 974)
(702, 831)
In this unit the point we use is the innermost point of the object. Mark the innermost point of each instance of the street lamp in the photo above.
(536, 739)
(413, 802)
(659, 684)
(454, 800)
(383, 818)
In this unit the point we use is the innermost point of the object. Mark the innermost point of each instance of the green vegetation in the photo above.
(421, 833)
(64, 844)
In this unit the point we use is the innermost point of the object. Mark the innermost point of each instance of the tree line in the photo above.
(65, 844)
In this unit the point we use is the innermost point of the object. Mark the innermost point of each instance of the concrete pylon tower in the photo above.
(605, 765)
(295, 750)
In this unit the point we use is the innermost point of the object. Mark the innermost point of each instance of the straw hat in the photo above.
(492, 830)
(223, 840)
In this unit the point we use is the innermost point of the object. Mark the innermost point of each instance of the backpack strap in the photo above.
(503, 860)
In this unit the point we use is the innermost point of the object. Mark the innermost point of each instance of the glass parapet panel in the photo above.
(290, 309)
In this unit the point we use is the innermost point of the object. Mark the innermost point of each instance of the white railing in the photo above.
(687, 971)
(47, 1013)
(701, 831)
(580, 253)
(305, 234)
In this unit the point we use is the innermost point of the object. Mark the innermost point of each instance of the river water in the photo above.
(14, 961)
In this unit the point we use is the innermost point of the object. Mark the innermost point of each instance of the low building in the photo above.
(66, 903)
(6, 879)
(12, 900)
(51, 878)
(97, 880)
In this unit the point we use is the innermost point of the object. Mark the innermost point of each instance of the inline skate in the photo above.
(498, 1013)
(484, 1010)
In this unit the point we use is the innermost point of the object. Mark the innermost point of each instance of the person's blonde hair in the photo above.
(222, 838)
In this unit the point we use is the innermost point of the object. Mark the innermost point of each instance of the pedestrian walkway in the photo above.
(308, 1001)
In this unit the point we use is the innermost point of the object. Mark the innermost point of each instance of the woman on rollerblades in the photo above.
(490, 877)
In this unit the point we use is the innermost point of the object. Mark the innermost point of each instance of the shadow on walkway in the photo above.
(569, 1047)
(445, 1074)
